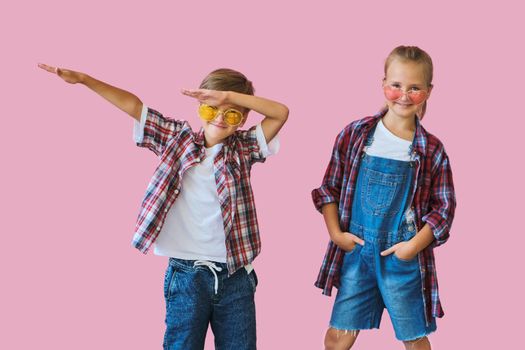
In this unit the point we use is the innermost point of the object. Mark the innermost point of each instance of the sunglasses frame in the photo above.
(403, 93)
(218, 111)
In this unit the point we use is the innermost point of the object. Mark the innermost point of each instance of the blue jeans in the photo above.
(199, 295)
(370, 282)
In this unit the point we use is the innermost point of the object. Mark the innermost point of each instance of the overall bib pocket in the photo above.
(380, 192)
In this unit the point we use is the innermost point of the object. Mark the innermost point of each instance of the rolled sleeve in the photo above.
(138, 127)
(442, 203)
(324, 195)
(267, 149)
(153, 131)
(330, 189)
(255, 147)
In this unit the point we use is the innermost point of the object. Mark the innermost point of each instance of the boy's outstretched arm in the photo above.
(124, 100)
(275, 113)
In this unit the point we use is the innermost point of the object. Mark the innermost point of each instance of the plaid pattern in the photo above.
(179, 148)
(433, 203)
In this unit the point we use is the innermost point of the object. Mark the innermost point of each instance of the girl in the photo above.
(388, 199)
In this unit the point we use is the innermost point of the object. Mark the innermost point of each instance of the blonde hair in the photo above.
(417, 55)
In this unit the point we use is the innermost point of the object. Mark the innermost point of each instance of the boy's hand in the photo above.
(403, 250)
(122, 99)
(69, 76)
(346, 241)
(209, 97)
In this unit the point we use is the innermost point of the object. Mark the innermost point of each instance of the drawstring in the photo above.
(212, 268)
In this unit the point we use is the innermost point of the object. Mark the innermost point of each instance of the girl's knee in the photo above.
(417, 344)
(337, 339)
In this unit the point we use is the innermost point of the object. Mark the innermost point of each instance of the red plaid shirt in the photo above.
(179, 148)
(434, 200)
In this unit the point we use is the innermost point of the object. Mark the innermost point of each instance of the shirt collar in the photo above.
(420, 139)
(199, 138)
(419, 145)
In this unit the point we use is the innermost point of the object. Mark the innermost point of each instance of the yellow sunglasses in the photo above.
(230, 116)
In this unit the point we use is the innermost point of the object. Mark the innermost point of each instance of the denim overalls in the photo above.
(370, 282)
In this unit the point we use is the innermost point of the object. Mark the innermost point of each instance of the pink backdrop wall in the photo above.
(72, 178)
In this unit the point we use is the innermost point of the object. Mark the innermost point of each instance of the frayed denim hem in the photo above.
(353, 332)
(416, 338)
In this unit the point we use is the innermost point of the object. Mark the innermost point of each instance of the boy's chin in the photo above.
(217, 135)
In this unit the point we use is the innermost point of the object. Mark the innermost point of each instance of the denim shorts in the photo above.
(370, 282)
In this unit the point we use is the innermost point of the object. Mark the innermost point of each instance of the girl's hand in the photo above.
(347, 241)
(69, 76)
(402, 250)
(209, 97)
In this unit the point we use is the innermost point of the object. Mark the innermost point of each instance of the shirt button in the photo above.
(203, 150)
(158, 228)
(198, 160)
(176, 191)
(166, 210)
(411, 228)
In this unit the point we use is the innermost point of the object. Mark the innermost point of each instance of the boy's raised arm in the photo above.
(275, 113)
(122, 99)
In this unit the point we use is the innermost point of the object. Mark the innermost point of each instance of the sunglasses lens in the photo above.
(207, 112)
(232, 117)
(392, 94)
(417, 96)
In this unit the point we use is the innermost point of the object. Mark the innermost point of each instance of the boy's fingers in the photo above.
(192, 93)
(47, 68)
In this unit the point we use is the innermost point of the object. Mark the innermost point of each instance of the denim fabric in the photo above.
(369, 281)
(192, 303)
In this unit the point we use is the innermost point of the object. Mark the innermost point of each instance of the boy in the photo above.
(199, 208)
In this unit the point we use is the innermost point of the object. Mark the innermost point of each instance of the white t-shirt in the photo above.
(193, 228)
(387, 145)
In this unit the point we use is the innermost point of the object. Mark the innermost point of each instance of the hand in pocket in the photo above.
(402, 250)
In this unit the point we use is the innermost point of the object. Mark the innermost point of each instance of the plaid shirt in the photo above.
(179, 148)
(433, 202)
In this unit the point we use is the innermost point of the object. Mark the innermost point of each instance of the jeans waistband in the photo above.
(189, 265)
(214, 267)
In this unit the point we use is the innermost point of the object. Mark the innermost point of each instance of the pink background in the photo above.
(72, 178)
